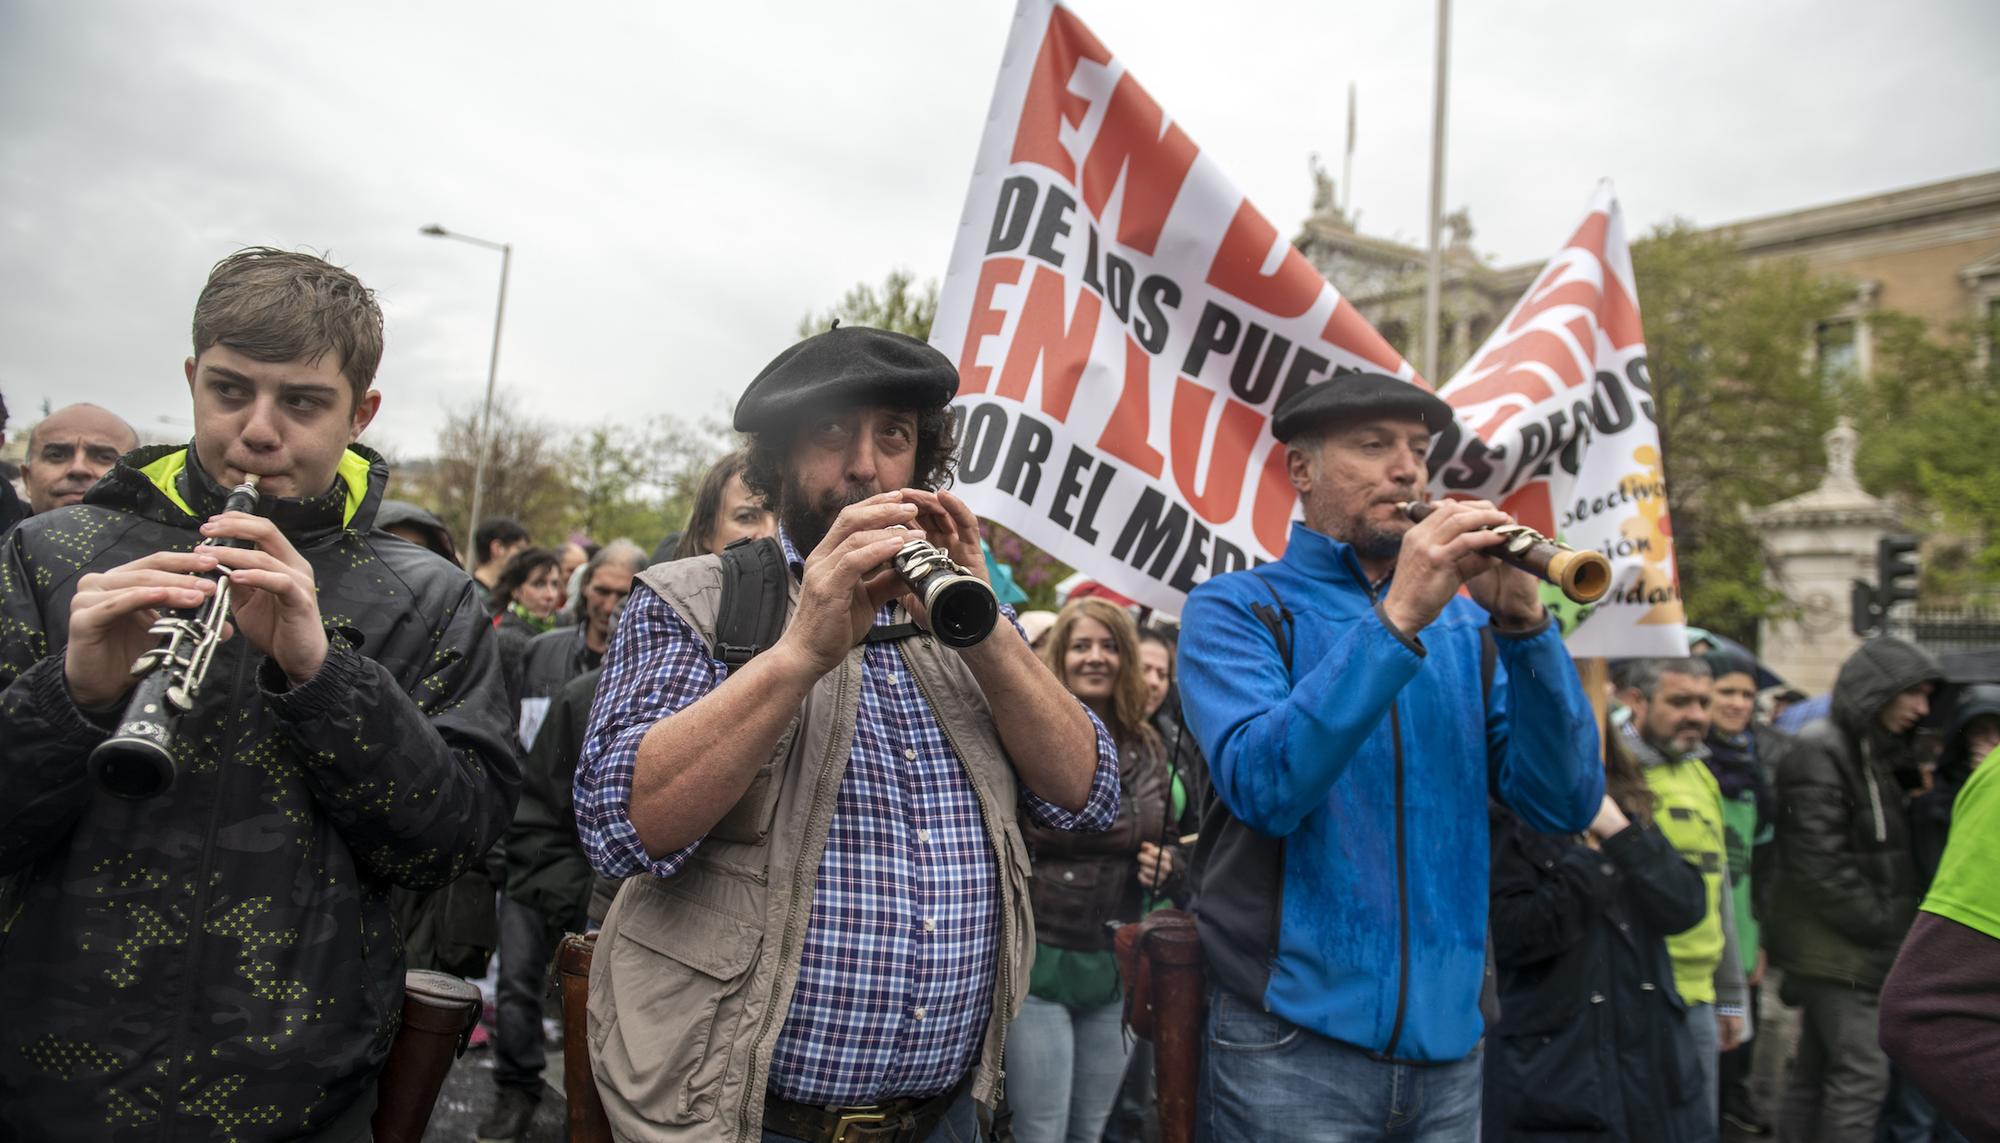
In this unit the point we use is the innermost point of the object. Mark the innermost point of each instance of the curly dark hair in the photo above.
(937, 456)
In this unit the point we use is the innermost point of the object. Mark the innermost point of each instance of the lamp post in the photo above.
(485, 442)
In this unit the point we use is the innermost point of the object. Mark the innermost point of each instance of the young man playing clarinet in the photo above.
(218, 961)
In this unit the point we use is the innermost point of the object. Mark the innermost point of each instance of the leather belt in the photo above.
(895, 1121)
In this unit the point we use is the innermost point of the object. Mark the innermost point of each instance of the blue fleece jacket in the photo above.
(1350, 827)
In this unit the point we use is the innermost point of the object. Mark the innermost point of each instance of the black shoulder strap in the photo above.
(1489, 652)
(1278, 618)
(752, 612)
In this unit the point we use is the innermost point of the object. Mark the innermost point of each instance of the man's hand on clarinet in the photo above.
(1440, 554)
(947, 522)
(272, 592)
(846, 582)
(111, 616)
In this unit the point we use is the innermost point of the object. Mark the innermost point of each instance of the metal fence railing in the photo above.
(1942, 629)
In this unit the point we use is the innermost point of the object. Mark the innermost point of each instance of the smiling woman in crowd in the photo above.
(1066, 1052)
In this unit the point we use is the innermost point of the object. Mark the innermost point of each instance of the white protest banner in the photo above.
(1556, 425)
(1124, 321)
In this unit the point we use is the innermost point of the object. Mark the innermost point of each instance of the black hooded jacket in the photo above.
(219, 962)
(1847, 885)
(1930, 814)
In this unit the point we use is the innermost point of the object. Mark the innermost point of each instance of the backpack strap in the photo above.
(1278, 618)
(1489, 653)
(751, 616)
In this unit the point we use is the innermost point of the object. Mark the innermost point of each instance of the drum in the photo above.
(439, 1011)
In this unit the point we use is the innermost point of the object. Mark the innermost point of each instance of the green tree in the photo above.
(900, 304)
(523, 473)
(1930, 417)
(1740, 407)
(639, 481)
(604, 470)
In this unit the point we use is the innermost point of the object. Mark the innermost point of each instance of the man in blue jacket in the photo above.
(1342, 695)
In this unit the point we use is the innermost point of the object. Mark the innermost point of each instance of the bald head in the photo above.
(68, 450)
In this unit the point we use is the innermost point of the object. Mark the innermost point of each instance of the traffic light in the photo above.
(1895, 571)
(1864, 617)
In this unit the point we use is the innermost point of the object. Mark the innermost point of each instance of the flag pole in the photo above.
(1347, 163)
(1436, 268)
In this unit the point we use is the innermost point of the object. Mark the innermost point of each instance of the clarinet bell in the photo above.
(963, 610)
(132, 766)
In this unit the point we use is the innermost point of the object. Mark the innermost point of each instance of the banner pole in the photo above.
(1436, 268)
(1595, 673)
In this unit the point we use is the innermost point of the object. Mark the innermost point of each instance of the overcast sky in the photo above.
(682, 183)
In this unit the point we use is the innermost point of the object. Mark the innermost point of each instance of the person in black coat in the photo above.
(1590, 1043)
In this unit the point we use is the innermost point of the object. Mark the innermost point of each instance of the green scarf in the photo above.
(531, 619)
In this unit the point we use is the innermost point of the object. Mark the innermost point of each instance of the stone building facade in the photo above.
(1931, 251)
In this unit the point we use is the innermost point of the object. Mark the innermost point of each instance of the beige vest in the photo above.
(693, 974)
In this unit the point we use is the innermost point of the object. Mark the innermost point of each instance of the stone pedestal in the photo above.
(1816, 545)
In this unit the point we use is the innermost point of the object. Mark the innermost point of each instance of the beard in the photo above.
(1375, 543)
(807, 518)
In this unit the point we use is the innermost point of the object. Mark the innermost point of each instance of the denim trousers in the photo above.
(1267, 1080)
(1702, 1116)
(1064, 1068)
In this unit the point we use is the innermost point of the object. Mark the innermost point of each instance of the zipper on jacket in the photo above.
(1402, 858)
(751, 1086)
(198, 913)
(1006, 1008)
(1874, 800)
(1402, 893)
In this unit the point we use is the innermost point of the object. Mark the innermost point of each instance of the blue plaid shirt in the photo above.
(896, 976)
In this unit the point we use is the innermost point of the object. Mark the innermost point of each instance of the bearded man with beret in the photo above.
(826, 927)
(1353, 743)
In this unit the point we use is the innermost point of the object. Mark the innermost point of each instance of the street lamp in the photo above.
(484, 444)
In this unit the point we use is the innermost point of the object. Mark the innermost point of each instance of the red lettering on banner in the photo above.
(1154, 164)
(1124, 434)
(1228, 451)
(1348, 331)
(984, 321)
(1238, 267)
(1049, 334)
(1271, 511)
(1049, 103)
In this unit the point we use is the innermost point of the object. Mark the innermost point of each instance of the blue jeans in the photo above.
(959, 1125)
(1702, 1117)
(1907, 1117)
(1064, 1068)
(1267, 1080)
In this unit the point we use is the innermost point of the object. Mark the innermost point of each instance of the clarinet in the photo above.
(138, 760)
(963, 609)
(1582, 576)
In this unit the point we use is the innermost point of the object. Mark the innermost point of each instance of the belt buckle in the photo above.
(871, 1116)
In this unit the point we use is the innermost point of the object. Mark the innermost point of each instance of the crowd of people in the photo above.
(850, 882)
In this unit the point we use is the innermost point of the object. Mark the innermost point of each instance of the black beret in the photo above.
(844, 367)
(1356, 396)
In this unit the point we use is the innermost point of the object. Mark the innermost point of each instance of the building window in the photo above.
(1837, 350)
